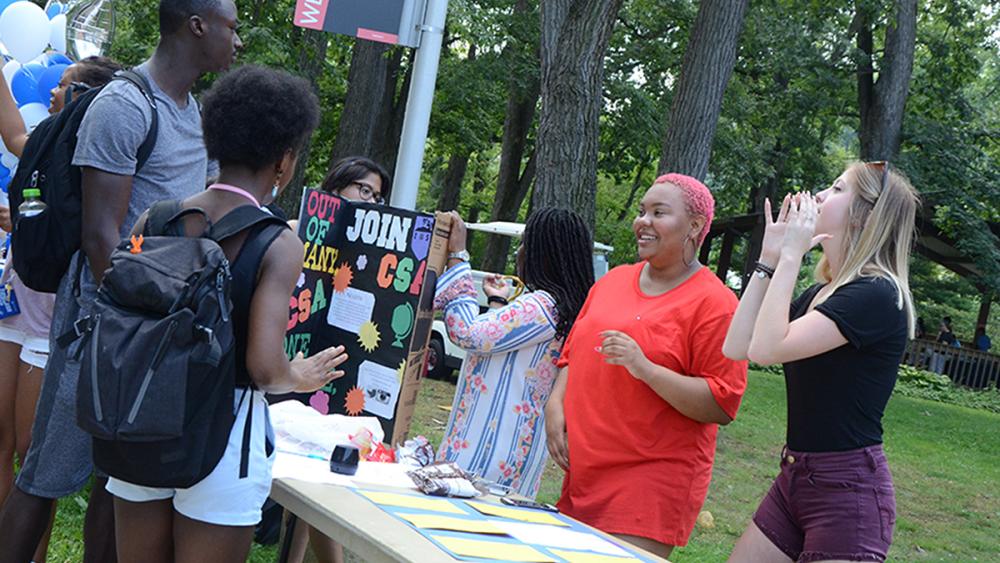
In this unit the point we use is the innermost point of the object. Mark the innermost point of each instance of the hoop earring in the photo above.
(694, 251)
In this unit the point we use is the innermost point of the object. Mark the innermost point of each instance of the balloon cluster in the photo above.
(26, 31)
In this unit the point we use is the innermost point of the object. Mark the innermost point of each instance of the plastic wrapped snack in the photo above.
(416, 452)
(445, 479)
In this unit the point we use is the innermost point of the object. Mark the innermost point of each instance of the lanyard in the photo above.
(235, 190)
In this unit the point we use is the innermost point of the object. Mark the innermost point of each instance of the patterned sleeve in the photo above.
(528, 320)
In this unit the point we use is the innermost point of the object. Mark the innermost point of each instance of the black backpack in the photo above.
(158, 367)
(44, 244)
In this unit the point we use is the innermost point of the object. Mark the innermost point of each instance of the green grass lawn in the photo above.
(944, 460)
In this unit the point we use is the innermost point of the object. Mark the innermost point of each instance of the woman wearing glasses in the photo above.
(356, 178)
(841, 342)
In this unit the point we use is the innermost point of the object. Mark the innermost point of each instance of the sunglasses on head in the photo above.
(883, 167)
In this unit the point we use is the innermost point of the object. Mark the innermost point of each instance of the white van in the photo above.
(443, 355)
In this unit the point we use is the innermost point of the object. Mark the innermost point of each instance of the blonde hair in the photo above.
(879, 234)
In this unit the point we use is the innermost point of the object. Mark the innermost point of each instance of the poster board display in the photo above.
(367, 283)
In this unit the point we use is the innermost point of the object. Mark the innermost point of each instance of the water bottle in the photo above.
(32, 204)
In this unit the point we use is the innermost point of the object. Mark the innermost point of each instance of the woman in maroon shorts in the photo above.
(841, 342)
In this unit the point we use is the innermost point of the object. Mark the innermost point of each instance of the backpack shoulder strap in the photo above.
(141, 82)
(159, 215)
(163, 218)
(239, 220)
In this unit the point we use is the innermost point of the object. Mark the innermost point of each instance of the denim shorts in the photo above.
(831, 505)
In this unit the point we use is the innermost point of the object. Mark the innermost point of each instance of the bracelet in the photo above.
(764, 270)
(497, 299)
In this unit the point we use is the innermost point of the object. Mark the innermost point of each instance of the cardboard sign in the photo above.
(368, 281)
(385, 21)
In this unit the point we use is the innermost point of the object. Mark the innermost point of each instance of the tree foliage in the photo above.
(790, 118)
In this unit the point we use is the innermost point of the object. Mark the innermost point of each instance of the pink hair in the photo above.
(698, 199)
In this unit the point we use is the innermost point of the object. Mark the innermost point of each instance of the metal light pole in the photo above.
(409, 163)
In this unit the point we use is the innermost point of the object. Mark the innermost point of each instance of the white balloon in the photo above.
(9, 70)
(57, 33)
(24, 28)
(8, 160)
(33, 114)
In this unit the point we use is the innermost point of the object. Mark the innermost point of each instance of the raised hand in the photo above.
(774, 231)
(457, 236)
(316, 371)
(495, 285)
(800, 232)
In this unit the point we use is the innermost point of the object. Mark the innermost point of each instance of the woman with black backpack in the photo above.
(255, 122)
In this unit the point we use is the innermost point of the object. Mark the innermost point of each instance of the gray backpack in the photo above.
(158, 367)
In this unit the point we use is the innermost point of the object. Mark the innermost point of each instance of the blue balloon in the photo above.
(49, 80)
(58, 59)
(54, 9)
(24, 84)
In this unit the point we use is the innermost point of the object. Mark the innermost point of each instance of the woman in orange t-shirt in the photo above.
(634, 413)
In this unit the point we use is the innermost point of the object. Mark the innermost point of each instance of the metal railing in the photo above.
(965, 366)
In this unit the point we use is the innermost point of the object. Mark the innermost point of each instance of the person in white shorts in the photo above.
(255, 122)
(24, 351)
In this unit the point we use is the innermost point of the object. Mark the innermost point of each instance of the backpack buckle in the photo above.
(80, 327)
(205, 334)
(83, 326)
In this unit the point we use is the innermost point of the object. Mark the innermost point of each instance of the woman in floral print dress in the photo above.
(497, 425)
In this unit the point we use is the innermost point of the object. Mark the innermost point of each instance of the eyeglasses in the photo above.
(368, 193)
(883, 167)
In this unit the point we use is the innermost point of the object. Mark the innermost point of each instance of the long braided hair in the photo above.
(557, 257)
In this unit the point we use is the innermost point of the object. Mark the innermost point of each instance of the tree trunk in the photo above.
(636, 184)
(364, 101)
(708, 64)
(458, 164)
(575, 35)
(497, 247)
(451, 190)
(765, 190)
(522, 101)
(310, 65)
(479, 181)
(881, 102)
(393, 109)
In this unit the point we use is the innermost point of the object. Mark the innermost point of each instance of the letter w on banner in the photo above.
(311, 13)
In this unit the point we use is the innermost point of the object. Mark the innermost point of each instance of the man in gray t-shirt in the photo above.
(196, 37)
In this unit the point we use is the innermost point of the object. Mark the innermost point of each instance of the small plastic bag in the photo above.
(416, 452)
(445, 479)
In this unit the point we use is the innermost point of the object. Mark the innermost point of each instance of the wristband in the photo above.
(763, 270)
(497, 299)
